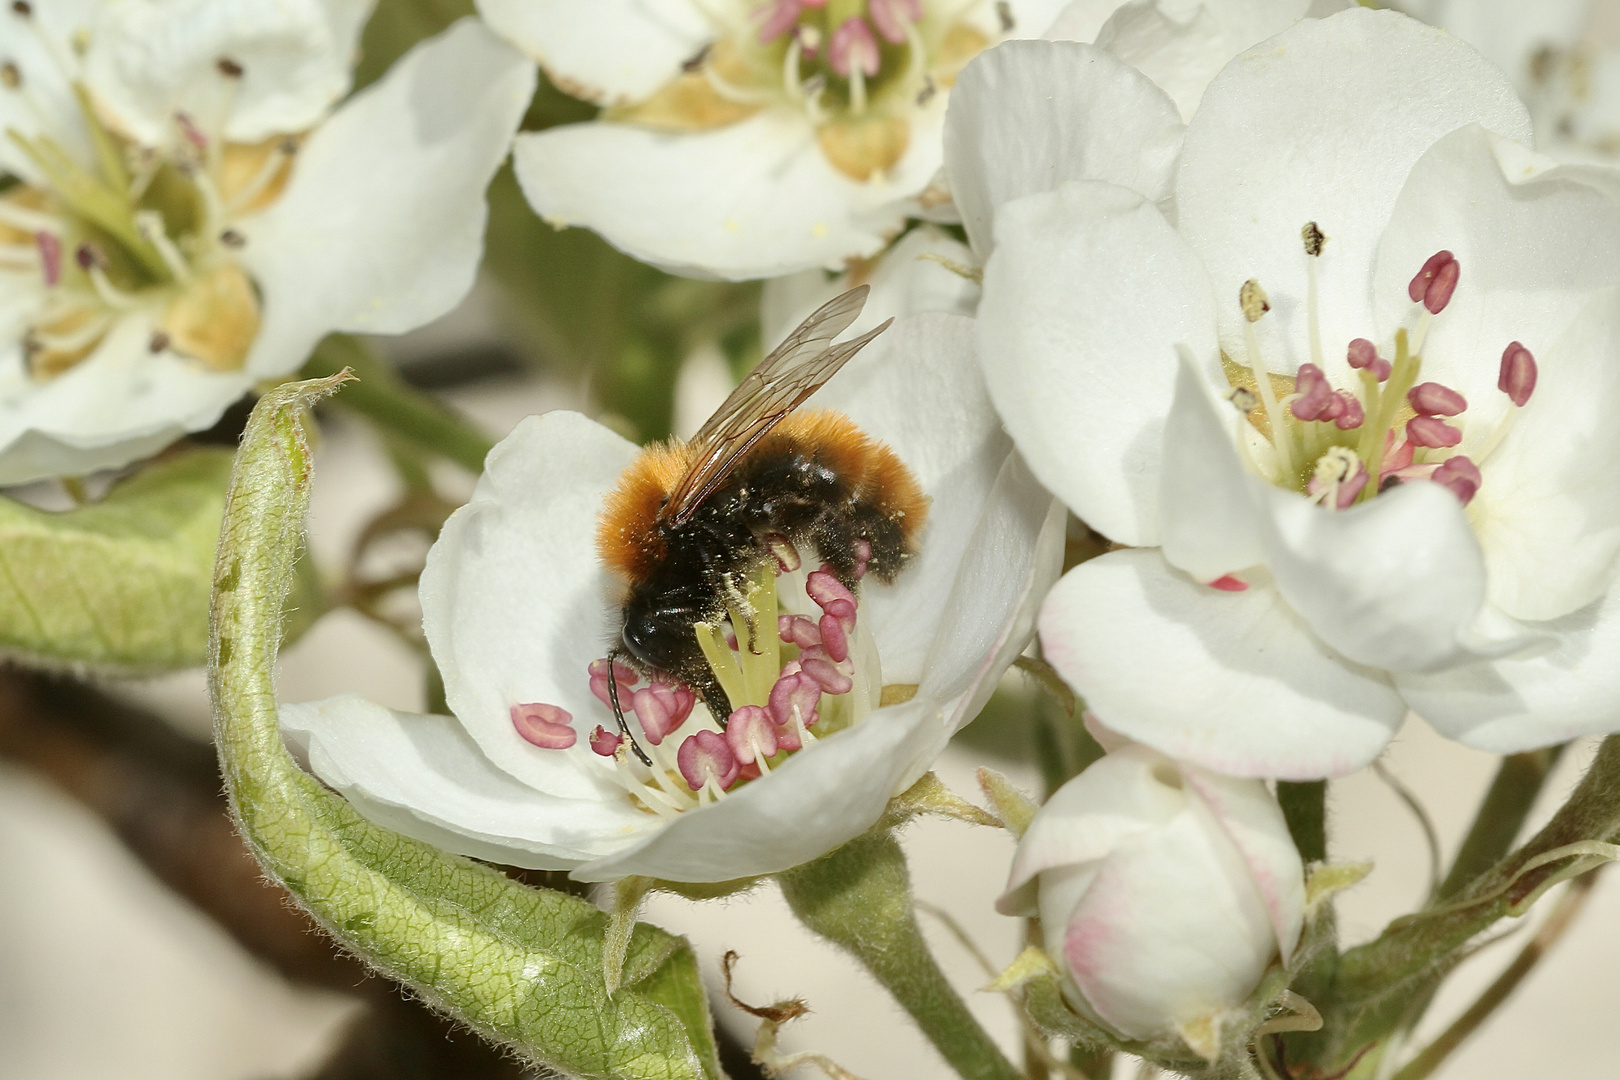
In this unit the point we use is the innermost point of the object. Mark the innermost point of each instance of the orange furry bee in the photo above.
(691, 519)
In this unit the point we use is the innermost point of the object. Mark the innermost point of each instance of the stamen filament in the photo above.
(1281, 437)
(1403, 375)
(1312, 315)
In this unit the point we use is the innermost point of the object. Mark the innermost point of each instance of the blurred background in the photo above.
(138, 939)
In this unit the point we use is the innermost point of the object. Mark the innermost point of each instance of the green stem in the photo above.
(1304, 807)
(385, 399)
(859, 897)
(1501, 816)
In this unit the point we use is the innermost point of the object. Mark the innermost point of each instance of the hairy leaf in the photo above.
(523, 966)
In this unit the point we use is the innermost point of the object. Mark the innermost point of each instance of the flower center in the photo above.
(1330, 442)
(857, 68)
(130, 229)
(791, 678)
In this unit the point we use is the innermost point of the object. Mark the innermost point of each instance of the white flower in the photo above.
(1566, 68)
(518, 610)
(1309, 586)
(1028, 115)
(1164, 891)
(189, 220)
(748, 138)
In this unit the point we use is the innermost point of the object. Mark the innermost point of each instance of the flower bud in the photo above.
(1164, 891)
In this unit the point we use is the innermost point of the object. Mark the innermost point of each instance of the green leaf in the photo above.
(523, 966)
(121, 584)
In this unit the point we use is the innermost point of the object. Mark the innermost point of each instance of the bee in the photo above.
(690, 520)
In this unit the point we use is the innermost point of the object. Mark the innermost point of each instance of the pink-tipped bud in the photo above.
(50, 256)
(544, 725)
(852, 47)
(1460, 476)
(1431, 431)
(625, 676)
(751, 735)
(1363, 354)
(1517, 378)
(704, 757)
(781, 16)
(605, 742)
(1351, 415)
(1435, 283)
(890, 17)
(662, 707)
(1432, 399)
(1316, 400)
(1228, 583)
(797, 693)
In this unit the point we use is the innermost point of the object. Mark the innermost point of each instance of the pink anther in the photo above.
(1363, 354)
(1460, 475)
(1351, 415)
(1316, 400)
(191, 131)
(797, 693)
(662, 707)
(1435, 283)
(800, 630)
(624, 675)
(1432, 399)
(706, 757)
(605, 742)
(1397, 456)
(833, 639)
(781, 17)
(751, 734)
(1228, 583)
(863, 556)
(831, 596)
(1431, 431)
(544, 725)
(50, 256)
(831, 676)
(1517, 378)
(890, 17)
(852, 47)
(1345, 491)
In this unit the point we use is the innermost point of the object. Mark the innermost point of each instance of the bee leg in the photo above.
(618, 713)
(713, 694)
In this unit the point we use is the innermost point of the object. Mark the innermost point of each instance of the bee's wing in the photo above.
(781, 382)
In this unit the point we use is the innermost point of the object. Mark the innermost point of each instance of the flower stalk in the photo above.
(859, 898)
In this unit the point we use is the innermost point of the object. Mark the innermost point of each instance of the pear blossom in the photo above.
(189, 215)
(841, 698)
(1344, 394)
(749, 138)
(1164, 891)
(1562, 55)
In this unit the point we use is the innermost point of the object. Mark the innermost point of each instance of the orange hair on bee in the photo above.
(873, 471)
(627, 538)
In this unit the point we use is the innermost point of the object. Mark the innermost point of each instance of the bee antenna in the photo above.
(618, 713)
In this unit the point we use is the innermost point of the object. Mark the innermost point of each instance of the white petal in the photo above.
(757, 198)
(1030, 18)
(44, 103)
(1086, 298)
(1322, 123)
(1120, 796)
(1230, 681)
(923, 395)
(1534, 242)
(1395, 583)
(824, 796)
(1171, 930)
(515, 602)
(1514, 705)
(909, 279)
(1507, 32)
(1028, 115)
(119, 404)
(382, 225)
(1207, 511)
(612, 52)
(1252, 820)
(149, 59)
(425, 777)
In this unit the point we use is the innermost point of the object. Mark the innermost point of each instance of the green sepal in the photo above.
(119, 585)
(522, 966)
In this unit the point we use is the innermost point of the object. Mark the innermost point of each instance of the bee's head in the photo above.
(658, 628)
